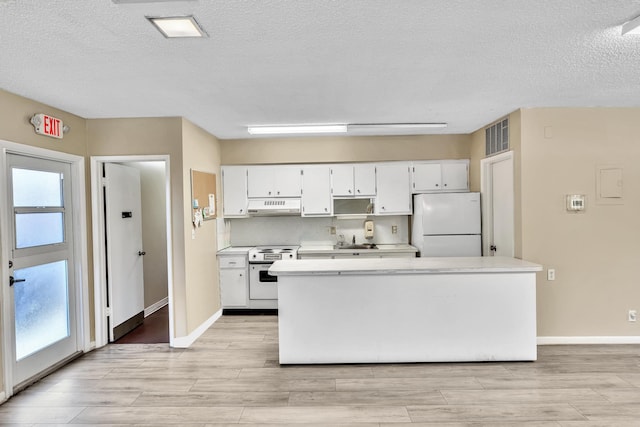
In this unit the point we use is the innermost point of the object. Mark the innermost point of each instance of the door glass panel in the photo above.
(36, 188)
(41, 307)
(37, 229)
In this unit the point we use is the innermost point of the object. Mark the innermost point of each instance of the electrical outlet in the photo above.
(551, 274)
(394, 229)
(332, 230)
(632, 316)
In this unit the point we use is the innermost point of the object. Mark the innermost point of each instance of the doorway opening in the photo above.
(132, 249)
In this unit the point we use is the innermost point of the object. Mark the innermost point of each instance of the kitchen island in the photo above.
(393, 310)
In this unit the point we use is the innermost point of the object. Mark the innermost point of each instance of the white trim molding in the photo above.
(156, 306)
(185, 342)
(588, 340)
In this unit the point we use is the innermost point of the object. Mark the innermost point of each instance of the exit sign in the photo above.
(47, 125)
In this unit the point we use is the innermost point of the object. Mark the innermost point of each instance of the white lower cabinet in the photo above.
(234, 281)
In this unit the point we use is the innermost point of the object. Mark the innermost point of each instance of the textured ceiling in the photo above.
(464, 62)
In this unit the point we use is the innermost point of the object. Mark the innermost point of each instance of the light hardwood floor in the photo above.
(231, 375)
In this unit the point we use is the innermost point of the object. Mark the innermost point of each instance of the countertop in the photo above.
(235, 250)
(444, 265)
(329, 249)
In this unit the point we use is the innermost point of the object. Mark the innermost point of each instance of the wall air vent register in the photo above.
(497, 137)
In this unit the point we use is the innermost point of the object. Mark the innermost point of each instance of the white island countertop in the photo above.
(444, 265)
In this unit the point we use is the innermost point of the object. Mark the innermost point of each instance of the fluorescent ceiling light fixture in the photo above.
(177, 26)
(632, 27)
(396, 126)
(296, 129)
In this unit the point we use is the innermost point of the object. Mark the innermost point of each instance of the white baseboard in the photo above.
(3, 397)
(185, 342)
(589, 340)
(156, 306)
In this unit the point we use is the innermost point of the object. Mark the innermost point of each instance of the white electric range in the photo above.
(263, 288)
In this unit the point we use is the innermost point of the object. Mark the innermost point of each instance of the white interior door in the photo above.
(42, 283)
(125, 281)
(499, 205)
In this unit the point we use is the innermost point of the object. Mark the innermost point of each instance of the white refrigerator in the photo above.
(447, 224)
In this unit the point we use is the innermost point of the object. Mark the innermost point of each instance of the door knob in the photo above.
(12, 280)
(141, 253)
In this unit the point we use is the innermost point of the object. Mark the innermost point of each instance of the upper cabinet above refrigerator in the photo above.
(440, 176)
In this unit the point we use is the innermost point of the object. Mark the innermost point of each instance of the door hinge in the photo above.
(107, 311)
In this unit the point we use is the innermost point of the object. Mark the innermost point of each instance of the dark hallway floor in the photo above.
(154, 330)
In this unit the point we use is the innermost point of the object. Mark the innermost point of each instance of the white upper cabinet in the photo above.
(394, 189)
(364, 179)
(234, 191)
(273, 181)
(427, 176)
(455, 175)
(342, 180)
(351, 180)
(316, 191)
(445, 175)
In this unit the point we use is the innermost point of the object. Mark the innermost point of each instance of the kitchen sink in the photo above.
(361, 246)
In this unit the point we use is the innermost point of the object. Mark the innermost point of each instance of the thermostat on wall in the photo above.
(575, 202)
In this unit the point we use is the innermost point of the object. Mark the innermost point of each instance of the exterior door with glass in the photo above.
(44, 330)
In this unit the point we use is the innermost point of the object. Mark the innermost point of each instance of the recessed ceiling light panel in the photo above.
(631, 27)
(177, 26)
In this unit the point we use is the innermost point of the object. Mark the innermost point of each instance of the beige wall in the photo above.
(201, 152)
(154, 230)
(344, 149)
(477, 151)
(15, 113)
(113, 137)
(595, 253)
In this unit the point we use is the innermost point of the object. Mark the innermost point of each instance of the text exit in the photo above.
(47, 125)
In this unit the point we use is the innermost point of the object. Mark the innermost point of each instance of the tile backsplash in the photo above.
(294, 230)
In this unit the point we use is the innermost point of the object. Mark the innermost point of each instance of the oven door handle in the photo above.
(265, 277)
